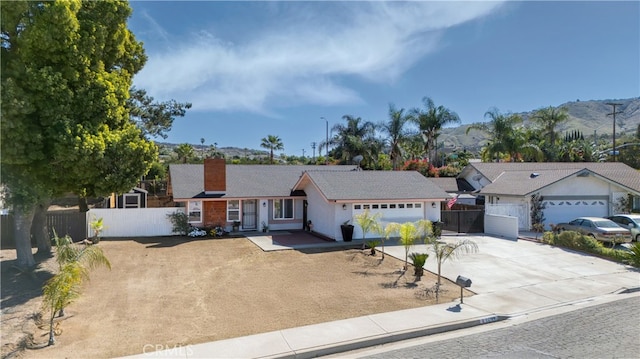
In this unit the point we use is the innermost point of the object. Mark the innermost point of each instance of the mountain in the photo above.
(589, 117)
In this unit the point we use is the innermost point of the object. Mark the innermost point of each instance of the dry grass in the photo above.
(177, 291)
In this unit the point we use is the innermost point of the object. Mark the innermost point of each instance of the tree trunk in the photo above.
(23, 217)
(39, 229)
(82, 203)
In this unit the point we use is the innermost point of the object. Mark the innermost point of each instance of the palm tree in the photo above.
(272, 143)
(504, 140)
(184, 152)
(367, 223)
(397, 133)
(444, 251)
(74, 262)
(353, 139)
(430, 121)
(410, 233)
(549, 118)
(386, 232)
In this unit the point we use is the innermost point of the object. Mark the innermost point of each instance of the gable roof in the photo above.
(372, 185)
(452, 184)
(516, 178)
(243, 181)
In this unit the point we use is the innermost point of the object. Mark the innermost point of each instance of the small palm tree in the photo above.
(391, 229)
(272, 143)
(445, 251)
(367, 223)
(60, 291)
(408, 236)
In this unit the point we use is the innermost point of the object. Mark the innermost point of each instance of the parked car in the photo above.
(602, 229)
(630, 221)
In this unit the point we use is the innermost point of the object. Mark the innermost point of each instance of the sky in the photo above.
(292, 68)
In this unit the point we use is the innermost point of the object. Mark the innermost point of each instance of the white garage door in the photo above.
(399, 212)
(559, 210)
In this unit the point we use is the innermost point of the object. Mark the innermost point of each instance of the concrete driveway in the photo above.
(513, 277)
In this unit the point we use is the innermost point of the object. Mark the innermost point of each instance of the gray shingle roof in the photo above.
(515, 178)
(243, 181)
(375, 185)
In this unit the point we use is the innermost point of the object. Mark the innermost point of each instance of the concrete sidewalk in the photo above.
(510, 278)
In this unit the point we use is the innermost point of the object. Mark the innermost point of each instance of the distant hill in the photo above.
(585, 116)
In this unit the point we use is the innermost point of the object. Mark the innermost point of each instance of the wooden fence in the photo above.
(70, 223)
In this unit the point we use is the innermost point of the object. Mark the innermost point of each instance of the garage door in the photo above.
(399, 212)
(565, 209)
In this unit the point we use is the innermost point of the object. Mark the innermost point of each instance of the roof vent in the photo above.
(583, 174)
(534, 175)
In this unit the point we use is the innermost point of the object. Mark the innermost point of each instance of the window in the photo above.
(283, 209)
(383, 206)
(409, 205)
(367, 206)
(418, 205)
(374, 206)
(392, 205)
(195, 211)
(233, 210)
(357, 206)
(400, 205)
(131, 200)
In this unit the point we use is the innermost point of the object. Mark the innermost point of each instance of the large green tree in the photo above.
(430, 121)
(272, 143)
(67, 68)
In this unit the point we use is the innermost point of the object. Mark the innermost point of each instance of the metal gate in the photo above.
(468, 221)
(249, 214)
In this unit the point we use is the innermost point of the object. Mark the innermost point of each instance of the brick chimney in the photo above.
(215, 176)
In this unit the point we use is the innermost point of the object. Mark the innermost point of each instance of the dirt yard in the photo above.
(179, 291)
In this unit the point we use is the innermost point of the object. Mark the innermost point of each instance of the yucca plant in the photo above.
(418, 259)
(633, 257)
(372, 245)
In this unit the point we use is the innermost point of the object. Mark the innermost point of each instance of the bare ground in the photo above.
(176, 291)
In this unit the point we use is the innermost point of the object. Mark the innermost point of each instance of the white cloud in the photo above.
(301, 59)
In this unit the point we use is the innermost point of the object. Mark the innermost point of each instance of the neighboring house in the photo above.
(568, 189)
(458, 188)
(136, 198)
(287, 197)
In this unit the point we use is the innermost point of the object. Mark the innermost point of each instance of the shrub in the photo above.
(419, 259)
(633, 257)
(588, 244)
(180, 222)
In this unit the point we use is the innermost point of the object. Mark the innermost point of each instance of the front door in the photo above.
(249, 208)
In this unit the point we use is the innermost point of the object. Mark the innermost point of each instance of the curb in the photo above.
(366, 342)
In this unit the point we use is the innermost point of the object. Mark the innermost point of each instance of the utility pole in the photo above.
(303, 153)
(614, 125)
(313, 146)
(326, 144)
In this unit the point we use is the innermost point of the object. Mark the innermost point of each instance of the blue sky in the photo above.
(252, 69)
